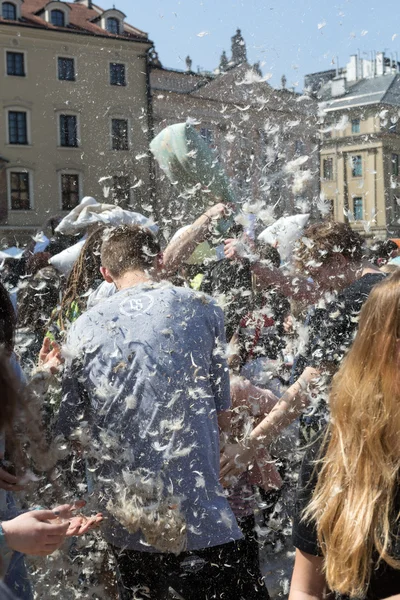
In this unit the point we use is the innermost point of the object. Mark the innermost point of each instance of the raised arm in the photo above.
(183, 246)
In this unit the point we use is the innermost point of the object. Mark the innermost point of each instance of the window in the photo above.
(69, 131)
(66, 69)
(393, 127)
(20, 191)
(117, 74)
(328, 169)
(69, 191)
(298, 147)
(17, 127)
(207, 135)
(355, 126)
(356, 164)
(9, 11)
(395, 165)
(358, 209)
(16, 64)
(112, 25)
(57, 18)
(121, 189)
(120, 134)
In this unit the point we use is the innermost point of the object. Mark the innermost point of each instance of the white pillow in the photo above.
(65, 260)
(284, 233)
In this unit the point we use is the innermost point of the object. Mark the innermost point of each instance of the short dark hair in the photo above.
(128, 247)
(269, 253)
(322, 241)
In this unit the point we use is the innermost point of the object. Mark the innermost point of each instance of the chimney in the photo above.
(352, 68)
(380, 64)
(87, 3)
(338, 87)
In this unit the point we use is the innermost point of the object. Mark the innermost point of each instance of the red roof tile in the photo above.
(80, 20)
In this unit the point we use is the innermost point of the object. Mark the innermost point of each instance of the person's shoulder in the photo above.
(361, 288)
(191, 294)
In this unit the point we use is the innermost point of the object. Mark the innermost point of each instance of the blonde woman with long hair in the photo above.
(347, 528)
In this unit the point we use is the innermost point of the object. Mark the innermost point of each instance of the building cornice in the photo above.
(47, 30)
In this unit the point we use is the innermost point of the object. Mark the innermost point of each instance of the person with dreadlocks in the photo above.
(84, 277)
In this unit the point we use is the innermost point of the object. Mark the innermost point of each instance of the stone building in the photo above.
(74, 110)
(265, 138)
(360, 141)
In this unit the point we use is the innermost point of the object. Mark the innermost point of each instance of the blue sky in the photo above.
(287, 36)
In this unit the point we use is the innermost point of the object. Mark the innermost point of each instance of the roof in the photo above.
(173, 80)
(81, 20)
(375, 90)
(243, 86)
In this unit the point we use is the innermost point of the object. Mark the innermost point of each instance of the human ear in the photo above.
(106, 275)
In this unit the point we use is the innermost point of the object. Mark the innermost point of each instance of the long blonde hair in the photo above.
(352, 503)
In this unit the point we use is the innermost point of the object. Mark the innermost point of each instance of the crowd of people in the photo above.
(147, 399)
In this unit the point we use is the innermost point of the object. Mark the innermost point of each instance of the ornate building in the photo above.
(73, 110)
(360, 142)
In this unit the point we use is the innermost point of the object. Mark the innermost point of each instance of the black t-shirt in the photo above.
(234, 280)
(332, 329)
(385, 581)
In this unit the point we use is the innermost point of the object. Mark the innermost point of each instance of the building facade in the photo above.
(360, 142)
(74, 110)
(266, 139)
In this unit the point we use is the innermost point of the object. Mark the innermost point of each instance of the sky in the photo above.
(291, 37)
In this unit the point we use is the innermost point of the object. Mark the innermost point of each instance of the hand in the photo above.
(236, 250)
(50, 356)
(79, 524)
(235, 459)
(217, 211)
(309, 375)
(9, 482)
(35, 533)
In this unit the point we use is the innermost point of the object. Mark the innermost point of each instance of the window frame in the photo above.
(24, 62)
(29, 172)
(354, 162)
(207, 134)
(395, 165)
(355, 126)
(128, 137)
(114, 20)
(15, 11)
(113, 63)
(78, 138)
(126, 201)
(325, 160)
(27, 126)
(59, 12)
(69, 172)
(63, 57)
(355, 198)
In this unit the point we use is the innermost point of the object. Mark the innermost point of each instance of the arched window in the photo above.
(112, 25)
(58, 18)
(9, 11)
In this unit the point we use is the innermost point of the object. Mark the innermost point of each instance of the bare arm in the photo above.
(183, 246)
(289, 407)
(237, 457)
(308, 579)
